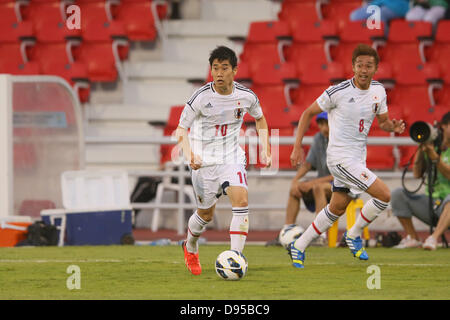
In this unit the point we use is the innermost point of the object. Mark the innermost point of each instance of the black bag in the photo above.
(144, 191)
(389, 239)
(40, 234)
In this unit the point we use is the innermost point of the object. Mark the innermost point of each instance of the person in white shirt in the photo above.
(352, 106)
(214, 114)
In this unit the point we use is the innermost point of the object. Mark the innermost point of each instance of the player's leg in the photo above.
(323, 221)
(239, 222)
(321, 194)
(205, 188)
(381, 196)
(233, 179)
(196, 226)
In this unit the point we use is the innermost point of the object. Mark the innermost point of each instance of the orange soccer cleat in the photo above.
(191, 260)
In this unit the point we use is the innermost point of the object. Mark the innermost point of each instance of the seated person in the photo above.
(405, 206)
(427, 10)
(389, 9)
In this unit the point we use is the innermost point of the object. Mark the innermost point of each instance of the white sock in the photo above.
(196, 226)
(323, 221)
(369, 212)
(239, 228)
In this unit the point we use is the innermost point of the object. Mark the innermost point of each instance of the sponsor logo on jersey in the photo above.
(209, 105)
(351, 100)
(238, 112)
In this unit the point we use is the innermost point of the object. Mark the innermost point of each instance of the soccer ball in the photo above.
(231, 265)
(289, 234)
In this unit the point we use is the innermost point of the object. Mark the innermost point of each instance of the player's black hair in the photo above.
(223, 53)
(365, 50)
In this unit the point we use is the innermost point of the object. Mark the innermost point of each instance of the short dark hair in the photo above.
(365, 50)
(223, 53)
(446, 118)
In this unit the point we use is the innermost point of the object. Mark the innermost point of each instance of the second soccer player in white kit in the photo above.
(352, 106)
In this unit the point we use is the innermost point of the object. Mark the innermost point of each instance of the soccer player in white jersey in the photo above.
(214, 115)
(352, 106)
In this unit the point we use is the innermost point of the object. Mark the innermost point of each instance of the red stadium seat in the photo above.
(14, 60)
(171, 126)
(104, 42)
(267, 31)
(311, 41)
(262, 45)
(316, 73)
(270, 85)
(300, 10)
(339, 11)
(138, 20)
(11, 23)
(49, 21)
(404, 41)
(440, 50)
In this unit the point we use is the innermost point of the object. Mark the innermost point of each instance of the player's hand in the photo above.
(196, 161)
(266, 159)
(297, 156)
(399, 126)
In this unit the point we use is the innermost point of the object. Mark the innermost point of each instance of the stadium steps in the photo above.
(158, 76)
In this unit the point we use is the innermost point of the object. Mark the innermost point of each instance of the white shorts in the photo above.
(351, 177)
(212, 181)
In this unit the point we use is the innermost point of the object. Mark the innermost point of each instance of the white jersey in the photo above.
(215, 121)
(351, 112)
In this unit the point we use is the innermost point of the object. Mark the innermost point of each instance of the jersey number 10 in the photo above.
(223, 130)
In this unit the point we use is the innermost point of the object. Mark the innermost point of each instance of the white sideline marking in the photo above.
(176, 262)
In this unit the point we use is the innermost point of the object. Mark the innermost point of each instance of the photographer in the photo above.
(405, 205)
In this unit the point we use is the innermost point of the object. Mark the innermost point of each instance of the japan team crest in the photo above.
(375, 107)
(238, 113)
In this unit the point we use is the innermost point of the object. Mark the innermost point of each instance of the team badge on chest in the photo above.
(238, 113)
(376, 105)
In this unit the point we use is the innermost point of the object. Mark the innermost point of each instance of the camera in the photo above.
(423, 132)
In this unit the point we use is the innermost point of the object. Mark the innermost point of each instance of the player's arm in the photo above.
(297, 154)
(182, 137)
(389, 125)
(263, 132)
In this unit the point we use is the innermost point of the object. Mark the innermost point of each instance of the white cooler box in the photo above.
(97, 209)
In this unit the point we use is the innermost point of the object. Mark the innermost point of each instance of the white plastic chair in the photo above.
(167, 185)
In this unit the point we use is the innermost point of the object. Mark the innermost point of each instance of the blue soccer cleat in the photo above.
(297, 256)
(356, 247)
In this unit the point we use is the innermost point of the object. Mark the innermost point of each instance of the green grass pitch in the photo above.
(148, 272)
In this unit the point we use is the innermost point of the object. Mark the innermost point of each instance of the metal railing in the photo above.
(182, 173)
